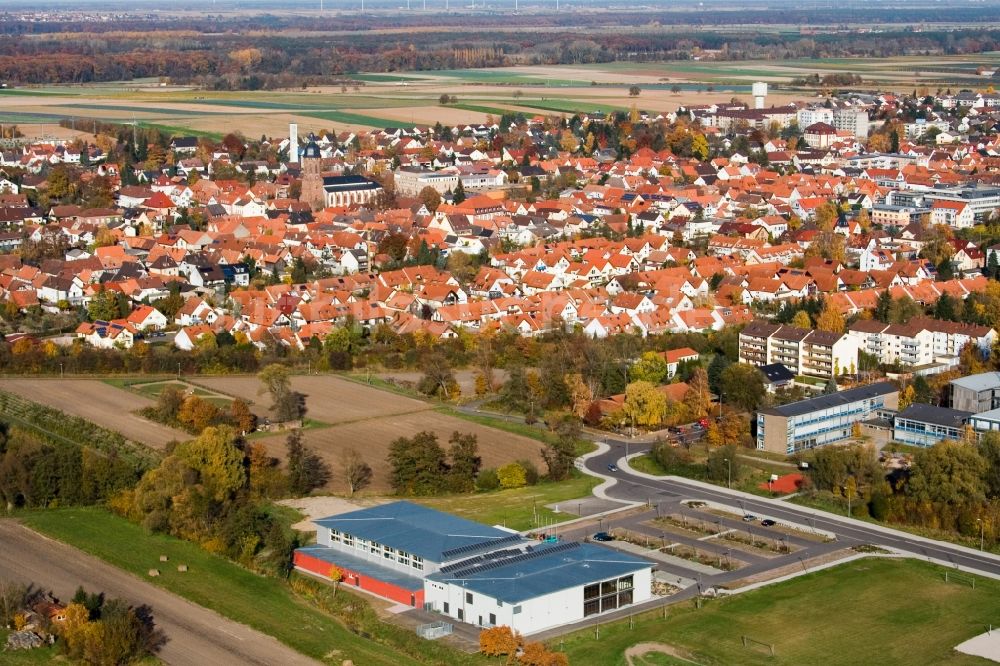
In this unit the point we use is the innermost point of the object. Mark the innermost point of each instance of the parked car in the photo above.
(612, 467)
(703, 423)
(749, 518)
(603, 536)
(767, 522)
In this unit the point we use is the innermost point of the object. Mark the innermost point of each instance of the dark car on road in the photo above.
(603, 536)
(767, 522)
(612, 467)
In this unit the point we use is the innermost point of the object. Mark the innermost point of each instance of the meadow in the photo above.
(867, 611)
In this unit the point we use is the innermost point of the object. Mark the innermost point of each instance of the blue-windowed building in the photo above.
(926, 425)
(826, 419)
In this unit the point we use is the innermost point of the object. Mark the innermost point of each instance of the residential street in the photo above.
(195, 636)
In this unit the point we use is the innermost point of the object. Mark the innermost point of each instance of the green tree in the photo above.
(458, 196)
(883, 306)
(723, 462)
(651, 367)
(560, 453)
(463, 453)
(989, 450)
(417, 465)
(103, 306)
(743, 386)
(948, 472)
(306, 469)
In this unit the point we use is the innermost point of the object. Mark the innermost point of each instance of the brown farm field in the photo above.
(329, 399)
(368, 420)
(372, 437)
(96, 401)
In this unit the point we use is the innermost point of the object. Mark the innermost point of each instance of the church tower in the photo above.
(312, 177)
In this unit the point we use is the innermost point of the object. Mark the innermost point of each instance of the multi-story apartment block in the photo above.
(854, 121)
(826, 419)
(921, 341)
(814, 114)
(803, 351)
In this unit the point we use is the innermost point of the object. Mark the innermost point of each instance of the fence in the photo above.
(433, 630)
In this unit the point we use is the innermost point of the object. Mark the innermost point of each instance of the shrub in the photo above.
(487, 480)
(512, 475)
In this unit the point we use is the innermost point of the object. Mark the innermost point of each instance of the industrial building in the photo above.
(473, 573)
(826, 419)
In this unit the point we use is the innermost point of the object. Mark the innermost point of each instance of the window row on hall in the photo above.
(377, 549)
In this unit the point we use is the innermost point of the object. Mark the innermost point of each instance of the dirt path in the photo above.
(196, 635)
(634, 655)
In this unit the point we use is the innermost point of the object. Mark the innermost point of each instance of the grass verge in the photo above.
(266, 604)
(518, 508)
(866, 611)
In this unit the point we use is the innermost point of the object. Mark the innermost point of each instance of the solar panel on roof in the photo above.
(472, 547)
(495, 563)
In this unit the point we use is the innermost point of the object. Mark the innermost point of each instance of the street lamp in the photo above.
(982, 532)
(729, 475)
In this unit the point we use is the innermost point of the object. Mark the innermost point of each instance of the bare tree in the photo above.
(357, 473)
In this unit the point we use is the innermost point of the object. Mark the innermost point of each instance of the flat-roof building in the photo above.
(976, 393)
(826, 419)
(473, 573)
(926, 425)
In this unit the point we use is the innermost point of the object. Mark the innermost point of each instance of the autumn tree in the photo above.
(430, 198)
(644, 404)
(244, 420)
(802, 320)
(830, 319)
(217, 457)
(580, 395)
(499, 641)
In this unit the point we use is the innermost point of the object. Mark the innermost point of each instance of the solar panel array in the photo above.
(466, 563)
(480, 545)
(495, 563)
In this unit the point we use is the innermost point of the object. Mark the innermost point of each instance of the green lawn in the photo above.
(752, 472)
(864, 612)
(516, 508)
(265, 604)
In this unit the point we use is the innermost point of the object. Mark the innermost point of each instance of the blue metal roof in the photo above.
(417, 529)
(545, 569)
(364, 567)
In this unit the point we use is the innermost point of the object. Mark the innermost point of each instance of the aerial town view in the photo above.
(524, 332)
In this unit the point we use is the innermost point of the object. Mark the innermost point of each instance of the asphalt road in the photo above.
(195, 635)
(635, 488)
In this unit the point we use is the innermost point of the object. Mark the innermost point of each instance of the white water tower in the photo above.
(759, 93)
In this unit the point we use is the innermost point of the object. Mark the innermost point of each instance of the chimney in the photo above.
(293, 143)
